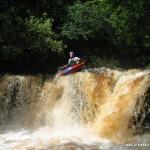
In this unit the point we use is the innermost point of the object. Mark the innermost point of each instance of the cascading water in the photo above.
(89, 110)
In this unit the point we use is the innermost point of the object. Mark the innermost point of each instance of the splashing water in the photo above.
(87, 110)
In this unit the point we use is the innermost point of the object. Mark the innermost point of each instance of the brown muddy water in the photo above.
(89, 110)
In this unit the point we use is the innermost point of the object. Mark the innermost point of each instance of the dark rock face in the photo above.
(141, 119)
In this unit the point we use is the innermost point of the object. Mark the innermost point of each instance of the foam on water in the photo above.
(91, 109)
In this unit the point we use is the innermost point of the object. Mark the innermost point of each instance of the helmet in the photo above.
(71, 53)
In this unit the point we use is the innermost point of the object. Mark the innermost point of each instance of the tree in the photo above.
(29, 40)
(86, 20)
(125, 24)
(131, 21)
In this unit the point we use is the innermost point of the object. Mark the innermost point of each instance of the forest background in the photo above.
(36, 35)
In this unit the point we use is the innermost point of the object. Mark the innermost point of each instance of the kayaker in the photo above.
(73, 59)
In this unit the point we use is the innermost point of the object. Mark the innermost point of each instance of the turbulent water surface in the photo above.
(98, 109)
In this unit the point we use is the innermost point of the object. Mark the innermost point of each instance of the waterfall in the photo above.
(90, 107)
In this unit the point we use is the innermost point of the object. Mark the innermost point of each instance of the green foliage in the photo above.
(10, 53)
(126, 24)
(96, 61)
(41, 35)
(148, 66)
(11, 27)
(86, 20)
(27, 30)
(131, 22)
(27, 40)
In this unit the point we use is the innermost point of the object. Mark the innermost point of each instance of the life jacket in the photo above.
(73, 60)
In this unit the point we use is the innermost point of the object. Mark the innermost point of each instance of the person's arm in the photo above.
(69, 61)
(77, 59)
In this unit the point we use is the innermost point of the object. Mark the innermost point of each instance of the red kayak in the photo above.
(72, 69)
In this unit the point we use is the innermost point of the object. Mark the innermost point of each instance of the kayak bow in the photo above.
(72, 69)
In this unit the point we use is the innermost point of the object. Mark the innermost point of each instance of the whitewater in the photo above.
(96, 109)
